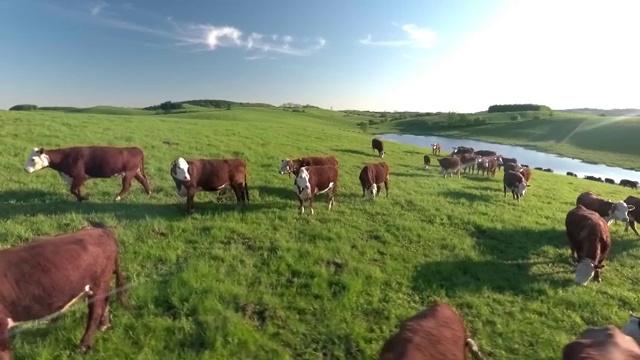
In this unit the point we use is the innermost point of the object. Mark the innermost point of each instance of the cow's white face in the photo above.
(371, 192)
(584, 272)
(632, 327)
(620, 211)
(434, 146)
(302, 181)
(521, 189)
(182, 170)
(37, 160)
(284, 167)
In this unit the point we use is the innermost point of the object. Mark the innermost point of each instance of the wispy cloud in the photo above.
(96, 8)
(415, 36)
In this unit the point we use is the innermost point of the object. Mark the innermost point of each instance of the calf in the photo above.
(78, 164)
(288, 166)
(516, 183)
(461, 150)
(526, 174)
(629, 183)
(316, 180)
(372, 176)
(427, 161)
(608, 210)
(602, 343)
(437, 332)
(634, 215)
(609, 181)
(589, 240)
(450, 165)
(376, 144)
(435, 149)
(41, 279)
(210, 175)
(569, 173)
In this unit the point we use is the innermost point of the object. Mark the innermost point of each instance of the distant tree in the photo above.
(514, 117)
(228, 106)
(23, 107)
(364, 126)
(517, 107)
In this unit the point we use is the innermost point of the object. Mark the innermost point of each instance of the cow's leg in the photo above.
(94, 316)
(105, 321)
(504, 187)
(631, 224)
(126, 185)
(190, 195)
(5, 346)
(332, 194)
(301, 208)
(143, 181)
(76, 187)
(386, 187)
(237, 189)
(311, 204)
(363, 191)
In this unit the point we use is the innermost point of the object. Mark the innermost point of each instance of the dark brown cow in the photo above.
(634, 215)
(376, 144)
(526, 174)
(80, 163)
(569, 173)
(488, 166)
(608, 210)
(460, 150)
(372, 176)
(589, 240)
(210, 175)
(548, 170)
(512, 167)
(468, 161)
(316, 180)
(437, 332)
(435, 149)
(609, 181)
(450, 165)
(485, 153)
(593, 178)
(516, 183)
(503, 161)
(288, 166)
(629, 183)
(602, 343)
(482, 166)
(538, 168)
(41, 279)
(427, 161)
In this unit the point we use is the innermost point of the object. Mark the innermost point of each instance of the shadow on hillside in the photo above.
(413, 152)
(466, 195)
(517, 244)
(481, 178)
(479, 275)
(408, 175)
(281, 192)
(32, 203)
(356, 152)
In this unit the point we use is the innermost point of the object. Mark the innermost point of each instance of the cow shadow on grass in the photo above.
(466, 195)
(15, 203)
(356, 152)
(281, 192)
(409, 175)
(481, 178)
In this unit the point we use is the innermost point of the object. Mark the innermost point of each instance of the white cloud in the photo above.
(415, 36)
(95, 9)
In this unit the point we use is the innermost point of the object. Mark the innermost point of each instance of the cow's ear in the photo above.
(631, 207)
(41, 151)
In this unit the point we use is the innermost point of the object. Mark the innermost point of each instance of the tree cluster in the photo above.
(23, 107)
(517, 107)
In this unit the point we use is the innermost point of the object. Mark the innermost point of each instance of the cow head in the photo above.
(521, 189)
(303, 187)
(180, 169)
(584, 271)
(620, 211)
(371, 191)
(37, 160)
(434, 146)
(632, 327)
(285, 167)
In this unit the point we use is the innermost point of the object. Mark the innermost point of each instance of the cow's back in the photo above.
(449, 162)
(588, 231)
(319, 161)
(212, 174)
(104, 161)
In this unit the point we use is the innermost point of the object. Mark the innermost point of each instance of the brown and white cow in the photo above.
(503, 161)
(211, 175)
(437, 332)
(602, 343)
(427, 161)
(526, 174)
(316, 180)
(461, 150)
(41, 279)
(372, 176)
(376, 144)
(589, 241)
(288, 166)
(491, 165)
(450, 165)
(512, 167)
(634, 215)
(78, 164)
(468, 161)
(435, 149)
(515, 183)
(610, 211)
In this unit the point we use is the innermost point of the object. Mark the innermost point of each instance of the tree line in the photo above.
(517, 107)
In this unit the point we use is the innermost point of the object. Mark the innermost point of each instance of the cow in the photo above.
(632, 327)
(602, 343)
(41, 279)
(547, 170)
(589, 241)
(512, 167)
(435, 149)
(468, 161)
(211, 175)
(609, 181)
(516, 183)
(485, 153)
(526, 174)
(629, 183)
(608, 210)
(376, 144)
(569, 173)
(491, 166)
(77, 164)
(437, 332)
(372, 176)
(524, 165)
(503, 161)
(450, 165)
(288, 166)
(482, 166)
(538, 168)
(316, 180)
(634, 215)
(461, 150)
(427, 161)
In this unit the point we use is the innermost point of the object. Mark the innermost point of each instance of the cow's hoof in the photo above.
(83, 349)
(117, 198)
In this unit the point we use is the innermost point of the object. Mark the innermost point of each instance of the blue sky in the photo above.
(444, 55)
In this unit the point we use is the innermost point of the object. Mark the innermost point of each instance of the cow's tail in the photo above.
(142, 167)
(121, 286)
(246, 187)
(473, 348)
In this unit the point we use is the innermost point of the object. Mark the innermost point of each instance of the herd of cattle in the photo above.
(80, 264)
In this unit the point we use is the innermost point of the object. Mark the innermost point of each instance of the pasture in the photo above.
(268, 283)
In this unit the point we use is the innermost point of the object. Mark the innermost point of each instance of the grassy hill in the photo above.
(607, 140)
(267, 283)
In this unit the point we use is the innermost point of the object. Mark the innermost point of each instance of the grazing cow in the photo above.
(376, 144)
(609, 181)
(450, 165)
(437, 332)
(41, 279)
(516, 183)
(602, 343)
(461, 150)
(589, 240)
(526, 174)
(288, 166)
(427, 161)
(372, 176)
(569, 173)
(512, 167)
(435, 149)
(316, 180)
(538, 168)
(629, 183)
(634, 215)
(608, 210)
(78, 164)
(210, 175)
(547, 170)
(485, 153)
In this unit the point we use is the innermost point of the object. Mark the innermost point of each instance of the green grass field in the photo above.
(268, 283)
(606, 140)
